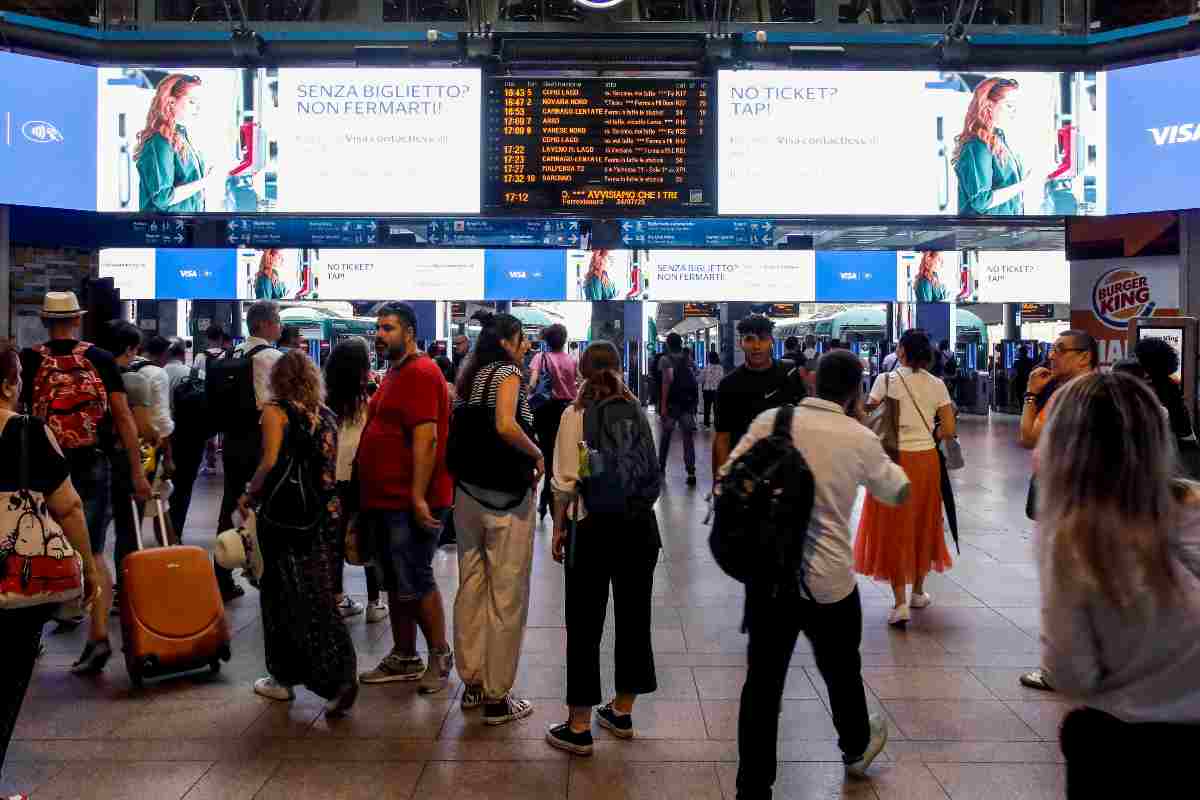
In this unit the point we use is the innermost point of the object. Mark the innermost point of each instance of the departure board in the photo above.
(600, 144)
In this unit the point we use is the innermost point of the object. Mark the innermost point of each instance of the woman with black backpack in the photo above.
(606, 481)
(294, 492)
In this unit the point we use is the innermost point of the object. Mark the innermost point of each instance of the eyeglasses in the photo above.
(1064, 350)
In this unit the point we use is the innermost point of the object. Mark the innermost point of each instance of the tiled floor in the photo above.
(961, 726)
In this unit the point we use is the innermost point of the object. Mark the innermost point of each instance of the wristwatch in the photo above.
(1030, 397)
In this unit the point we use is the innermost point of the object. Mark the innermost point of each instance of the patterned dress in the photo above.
(305, 637)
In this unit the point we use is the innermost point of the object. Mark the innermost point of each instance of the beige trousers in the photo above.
(495, 559)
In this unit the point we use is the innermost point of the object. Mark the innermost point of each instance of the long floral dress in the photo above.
(305, 637)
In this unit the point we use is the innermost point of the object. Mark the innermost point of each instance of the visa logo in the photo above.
(41, 132)
(1175, 134)
(189, 273)
(518, 275)
(849, 276)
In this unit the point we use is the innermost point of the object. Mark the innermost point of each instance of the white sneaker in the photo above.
(922, 600)
(879, 737)
(349, 607)
(377, 611)
(899, 617)
(274, 690)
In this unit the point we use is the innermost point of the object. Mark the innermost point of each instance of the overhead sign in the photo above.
(720, 275)
(856, 276)
(180, 274)
(412, 274)
(525, 275)
(678, 233)
(301, 232)
(1020, 275)
(1037, 311)
(475, 232)
(1107, 294)
(700, 310)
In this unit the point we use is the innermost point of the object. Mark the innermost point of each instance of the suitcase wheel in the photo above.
(215, 666)
(135, 671)
(225, 654)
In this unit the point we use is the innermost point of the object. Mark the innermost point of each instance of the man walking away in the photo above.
(192, 428)
(216, 340)
(243, 441)
(710, 381)
(406, 491)
(677, 408)
(824, 601)
(759, 384)
(76, 389)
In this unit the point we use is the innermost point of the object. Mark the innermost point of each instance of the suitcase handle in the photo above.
(137, 521)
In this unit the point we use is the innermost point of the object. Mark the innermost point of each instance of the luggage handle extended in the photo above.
(137, 521)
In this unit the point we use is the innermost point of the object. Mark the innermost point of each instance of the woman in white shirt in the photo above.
(901, 545)
(710, 379)
(1118, 543)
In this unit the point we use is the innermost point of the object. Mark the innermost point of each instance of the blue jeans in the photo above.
(404, 552)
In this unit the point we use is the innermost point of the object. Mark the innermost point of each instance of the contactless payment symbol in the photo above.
(1120, 295)
(40, 132)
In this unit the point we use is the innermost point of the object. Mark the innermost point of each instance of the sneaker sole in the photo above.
(494, 721)
(567, 747)
(470, 706)
(391, 679)
(426, 689)
(620, 733)
(277, 698)
(861, 772)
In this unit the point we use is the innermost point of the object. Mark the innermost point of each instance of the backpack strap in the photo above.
(783, 422)
(256, 350)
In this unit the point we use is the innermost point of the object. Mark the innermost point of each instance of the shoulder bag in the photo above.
(885, 422)
(39, 566)
(950, 449)
(478, 456)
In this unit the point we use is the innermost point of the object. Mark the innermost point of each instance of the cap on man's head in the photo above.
(61, 305)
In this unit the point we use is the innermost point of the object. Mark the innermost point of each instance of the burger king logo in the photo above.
(1120, 295)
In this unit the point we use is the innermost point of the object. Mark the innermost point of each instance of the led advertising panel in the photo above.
(193, 274)
(906, 142)
(855, 276)
(47, 133)
(1033, 276)
(524, 275)
(1154, 130)
(602, 275)
(717, 275)
(931, 276)
(298, 140)
(411, 274)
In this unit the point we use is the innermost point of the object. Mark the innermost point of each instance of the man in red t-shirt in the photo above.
(406, 493)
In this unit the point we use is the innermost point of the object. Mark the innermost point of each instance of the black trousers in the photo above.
(1103, 753)
(22, 636)
(188, 453)
(239, 458)
(610, 549)
(546, 422)
(710, 400)
(835, 632)
(350, 504)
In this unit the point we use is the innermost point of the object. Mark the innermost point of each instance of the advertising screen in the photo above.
(132, 271)
(602, 275)
(411, 274)
(524, 275)
(299, 140)
(906, 142)
(1107, 294)
(1153, 126)
(931, 276)
(715, 275)
(581, 144)
(147, 274)
(47, 133)
(1016, 276)
(855, 276)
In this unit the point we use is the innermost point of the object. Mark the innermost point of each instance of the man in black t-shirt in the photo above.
(677, 401)
(759, 384)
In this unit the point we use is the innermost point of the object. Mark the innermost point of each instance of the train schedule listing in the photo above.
(600, 144)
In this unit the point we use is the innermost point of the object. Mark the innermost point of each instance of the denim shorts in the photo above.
(404, 552)
(90, 474)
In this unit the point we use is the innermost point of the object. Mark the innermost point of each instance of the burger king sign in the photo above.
(1120, 295)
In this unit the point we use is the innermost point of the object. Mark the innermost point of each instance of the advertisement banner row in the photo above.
(1107, 294)
(410, 140)
(598, 275)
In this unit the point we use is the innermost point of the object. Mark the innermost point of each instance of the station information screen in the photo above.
(596, 144)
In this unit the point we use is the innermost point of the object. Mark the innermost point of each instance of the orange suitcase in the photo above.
(172, 616)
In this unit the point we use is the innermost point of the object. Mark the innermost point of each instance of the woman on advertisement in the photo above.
(927, 285)
(598, 285)
(267, 283)
(174, 176)
(991, 178)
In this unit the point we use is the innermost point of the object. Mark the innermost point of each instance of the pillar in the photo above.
(1012, 326)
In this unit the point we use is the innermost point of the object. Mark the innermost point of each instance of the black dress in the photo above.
(305, 637)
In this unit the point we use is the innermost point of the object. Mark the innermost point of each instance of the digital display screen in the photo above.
(524, 275)
(971, 144)
(863, 276)
(720, 275)
(589, 144)
(1010, 276)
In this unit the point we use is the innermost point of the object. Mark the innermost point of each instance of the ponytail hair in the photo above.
(601, 368)
(488, 349)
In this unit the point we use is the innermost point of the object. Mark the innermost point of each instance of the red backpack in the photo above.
(69, 394)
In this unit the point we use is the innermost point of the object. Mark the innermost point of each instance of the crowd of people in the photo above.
(486, 441)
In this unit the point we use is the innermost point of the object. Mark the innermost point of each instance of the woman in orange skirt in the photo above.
(901, 544)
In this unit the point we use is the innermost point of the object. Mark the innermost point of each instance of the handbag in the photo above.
(885, 422)
(359, 552)
(951, 450)
(478, 456)
(543, 392)
(39, 565)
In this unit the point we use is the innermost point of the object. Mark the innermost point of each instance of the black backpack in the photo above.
(229, 390)
(761, 510)
(622, 467)
(189, 399)
(292, 499)
(684, 392)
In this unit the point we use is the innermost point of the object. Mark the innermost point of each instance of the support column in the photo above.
(1012, 326)
(5, 272)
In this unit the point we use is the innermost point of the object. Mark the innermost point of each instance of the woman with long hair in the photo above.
(927, 285)
(597, 285)
(493, 519)
(992, 181)
(173, 175)
(608, 547)
(564, 378)
(1118, 541)
(902, 544)
(305, 638)
(267, 283)
(347, 376)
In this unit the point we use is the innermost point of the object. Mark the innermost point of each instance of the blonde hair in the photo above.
(1108, 501)
(295, 379)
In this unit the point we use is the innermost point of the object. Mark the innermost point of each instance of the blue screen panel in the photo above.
(196, 274)
(525, 275)
(853, 276)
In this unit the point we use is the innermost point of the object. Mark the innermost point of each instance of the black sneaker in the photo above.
(691, 479)
(563, 738)
(510, 709)
(95, 657)
(232, 592)
(621, 725)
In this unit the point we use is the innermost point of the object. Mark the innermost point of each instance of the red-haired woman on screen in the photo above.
(174, 177)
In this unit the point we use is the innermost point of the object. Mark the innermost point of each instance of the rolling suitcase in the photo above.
(172, 616)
